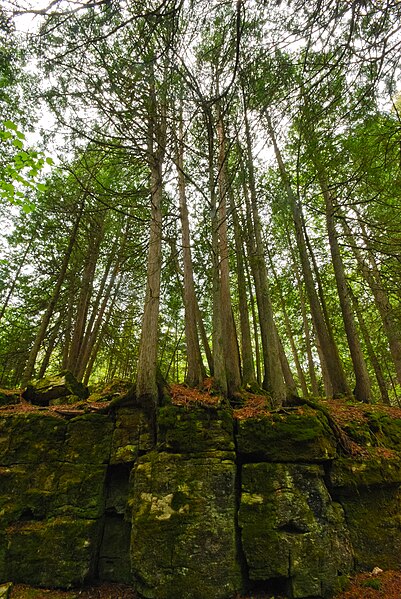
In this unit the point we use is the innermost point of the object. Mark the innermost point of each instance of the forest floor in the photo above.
(387, 585)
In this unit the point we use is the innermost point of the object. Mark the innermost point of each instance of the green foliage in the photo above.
(22, 169)
(372, 583)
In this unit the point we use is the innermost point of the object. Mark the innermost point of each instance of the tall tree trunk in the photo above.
(371, 352)
(49, 350)
(327, 347)
(305, 321)
(362, 389)
(82, 358)
(16, 276)
(146, 384)
(219, 368)
(230, 343)
(370, 271)
(290, 336)
(85, 295)
(274, 379)
(248, 368)
(30, 365)
(195, 369)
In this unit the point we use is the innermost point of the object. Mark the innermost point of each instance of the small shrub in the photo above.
(372, 583)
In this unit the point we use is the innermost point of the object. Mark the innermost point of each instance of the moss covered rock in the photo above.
(369, 491)
(60, 385)
(300, 436)
(88, 439)
(183, 527)
(59, 552)
(114, 556)
(133, 435)
(31, 437)
(349, 474)
(195, 430)
(374, 522)
(291, 529)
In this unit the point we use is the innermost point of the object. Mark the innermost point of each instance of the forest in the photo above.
(207, 189)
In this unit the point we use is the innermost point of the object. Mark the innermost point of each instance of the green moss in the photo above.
(88, 439)
(372, 583)
(195, 430)
(348, 474)
(183, 527)
(295, 437)
(31, 437)
(56, 553)
(132, 434)
(374, 524)
(291, 528)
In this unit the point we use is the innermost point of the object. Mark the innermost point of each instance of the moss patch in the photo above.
(300, 436)
(183, 527)
(59, 552)
(291, 529)
(182, 430)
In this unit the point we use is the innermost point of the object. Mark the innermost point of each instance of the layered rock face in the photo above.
(198, 505)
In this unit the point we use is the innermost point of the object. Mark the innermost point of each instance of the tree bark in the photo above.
(230, 343)
(274, 379)
(362, 389)
(248, 368)
(30, 365)
(327, 347)
(146, 385)
(195, 369)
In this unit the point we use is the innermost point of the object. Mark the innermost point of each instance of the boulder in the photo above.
(195, 430)
(302, 435)
(59, 386)
(292, 531)
(183, 540)
(59, 552)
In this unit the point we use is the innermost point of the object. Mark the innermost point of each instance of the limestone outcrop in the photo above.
(199, 505)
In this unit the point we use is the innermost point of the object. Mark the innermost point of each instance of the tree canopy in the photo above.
(226, 198)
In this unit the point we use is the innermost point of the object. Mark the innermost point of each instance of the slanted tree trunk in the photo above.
(85, 295)
(305, 321)
(16, 276)
(274, 380)
(371, 273)
(49, 350)
(288, 329)
(30, 365)
(362, 389)
(328, 349)
(379, 374)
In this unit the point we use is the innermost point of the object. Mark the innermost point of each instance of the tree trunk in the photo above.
(327, 347)
(274, 379)
(195, 369)
(230, 343)
(290, 336)
(371, 352)
(371, 274)
(248, 368)
(85, 295)
(305, 321)
(30, 365)
(362, 389)
(146, 385)
(16, 276)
